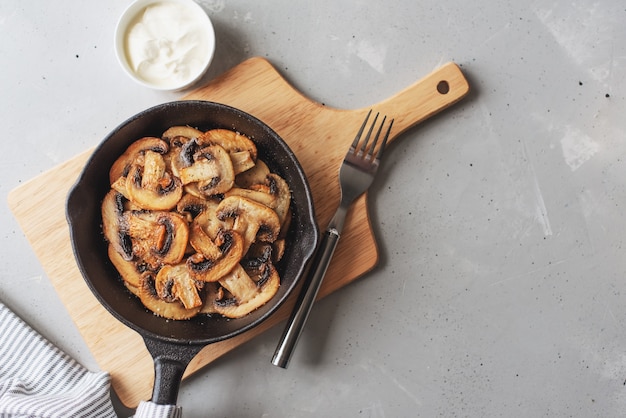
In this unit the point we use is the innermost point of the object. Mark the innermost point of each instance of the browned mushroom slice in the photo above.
(209, 221)
(279, 190)
(127, 269)
(158, 237)
(251, 219)
(211, 169)
(151, 186)
(242, 150)
(175, 283)
(194, 190)
(181, 131)
(242, 161)
(215, 257)
(258, 195)
(182, 152)
(247, 294)
(192, 205)
(231, 141)
(258, 255)
(274, 192)
(278, 249)
(113, 224)
(255, 175)
(170, 310)
(122, 165)
(273, 251)
(119, 186)
(213, 292)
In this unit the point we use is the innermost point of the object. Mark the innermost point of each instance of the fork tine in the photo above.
(358, 134)
(380, 128)
(379, 154)
(367, 137)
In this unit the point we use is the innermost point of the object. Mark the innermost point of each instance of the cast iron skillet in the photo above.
(173, 344)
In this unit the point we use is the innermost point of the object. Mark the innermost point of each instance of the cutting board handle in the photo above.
(288, 109)
(438, 90)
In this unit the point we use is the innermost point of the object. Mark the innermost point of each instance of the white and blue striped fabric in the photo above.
(39, 380)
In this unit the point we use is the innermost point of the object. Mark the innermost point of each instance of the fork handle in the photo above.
(307, 296)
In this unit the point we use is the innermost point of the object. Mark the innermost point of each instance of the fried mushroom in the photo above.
(176, 283)
(231, 141)
(170, 310)
(122, 165)
(216, 256)
(209, 167)
(258, 195)
(151, 186)
(114, 226)
(246, 294)
(158, 237)
(129, 270)
(174, 133)
(255, 175)
(279, 189)
(242, 150)
(252, 220)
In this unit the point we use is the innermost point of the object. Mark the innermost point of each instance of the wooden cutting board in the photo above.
(318, 135)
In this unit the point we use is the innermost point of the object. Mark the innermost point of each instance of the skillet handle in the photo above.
(170, 362)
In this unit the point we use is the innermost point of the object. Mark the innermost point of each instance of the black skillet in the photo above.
(173, 344)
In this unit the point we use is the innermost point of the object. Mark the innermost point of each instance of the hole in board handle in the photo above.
(443, 87)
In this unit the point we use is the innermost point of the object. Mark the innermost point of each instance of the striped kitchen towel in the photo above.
(39, 380)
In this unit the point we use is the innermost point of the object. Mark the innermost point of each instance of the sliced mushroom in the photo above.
(278, 247)
(192, 206)
(213, 292)
(181, 131)
(231, 141)
(257, 194)
(273, 192)
(181, 138)
(182, 152)
(258, 255)
(121, 166)
(274, 251)
(158, 237)
(211, 168)
(127, 269)
(215, 257)
(279, 189)
(242, 150)
(170, 310)
(194, 190)
(114, 226)
(151, 186)
(247, 294)
(242, 161)
(251, 219)
(176, 283)
(209, 221)
(255, 175)
(119, 185)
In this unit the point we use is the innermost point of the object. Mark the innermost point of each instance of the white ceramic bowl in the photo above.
(165, 44)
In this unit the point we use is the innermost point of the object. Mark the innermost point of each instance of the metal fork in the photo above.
(356, 174)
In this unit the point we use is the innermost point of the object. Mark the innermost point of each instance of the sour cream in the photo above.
(169, 44)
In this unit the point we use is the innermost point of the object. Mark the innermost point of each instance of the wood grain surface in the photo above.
(318, 135)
